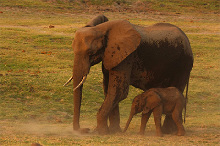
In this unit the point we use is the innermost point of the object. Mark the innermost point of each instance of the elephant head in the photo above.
(110, 42)
(144, 103)
(95, 21)
(136, 107)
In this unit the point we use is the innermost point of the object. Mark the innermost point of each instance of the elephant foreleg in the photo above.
(114, 119)
(117, 91)
(144, 119)
(105, 80)
(118, 86)
(108, 108)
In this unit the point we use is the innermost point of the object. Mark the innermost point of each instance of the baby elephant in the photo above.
(168, 101)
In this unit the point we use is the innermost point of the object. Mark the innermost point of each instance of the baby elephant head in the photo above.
(138, 104)
(137, 107)
(144, 103)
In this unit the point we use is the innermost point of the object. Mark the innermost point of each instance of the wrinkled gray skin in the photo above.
(169, 101)
(145, 57)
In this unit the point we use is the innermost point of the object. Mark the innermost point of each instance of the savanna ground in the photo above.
(36, 60)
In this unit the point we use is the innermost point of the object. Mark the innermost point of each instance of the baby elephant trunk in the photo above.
(128, 122)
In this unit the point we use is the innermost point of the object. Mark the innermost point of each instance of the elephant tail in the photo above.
(186, 99)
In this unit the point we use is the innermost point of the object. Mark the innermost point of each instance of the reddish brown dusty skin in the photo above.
(145, 57)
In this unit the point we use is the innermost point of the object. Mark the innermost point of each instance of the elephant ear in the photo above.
(153, 100)
(123, 39)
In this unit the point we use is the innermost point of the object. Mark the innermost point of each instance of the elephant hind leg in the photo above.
(157, 112)
(169, 125)
(179, 80)
(177, 117)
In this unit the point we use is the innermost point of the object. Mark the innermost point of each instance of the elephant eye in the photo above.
(90, 52)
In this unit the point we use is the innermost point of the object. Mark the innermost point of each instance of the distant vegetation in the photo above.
(186, 6)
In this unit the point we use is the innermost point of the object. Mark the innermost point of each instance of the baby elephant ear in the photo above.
(123, 39)
(153, 100)
(146, 110)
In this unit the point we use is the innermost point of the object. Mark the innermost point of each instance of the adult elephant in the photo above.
(145, 57)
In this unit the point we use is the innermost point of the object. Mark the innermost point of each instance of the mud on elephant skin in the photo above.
(145, 57)
(168, 101)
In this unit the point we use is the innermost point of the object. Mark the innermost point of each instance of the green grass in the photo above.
(35, 61)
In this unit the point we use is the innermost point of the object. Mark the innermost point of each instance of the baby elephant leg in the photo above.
(144, 119)
(157, 111)
(177, 117)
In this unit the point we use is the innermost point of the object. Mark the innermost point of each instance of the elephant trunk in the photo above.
(80, 71)
(128, 122)
(77, 94)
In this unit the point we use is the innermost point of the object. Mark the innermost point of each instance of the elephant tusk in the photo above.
(83, 80)
(70, 79)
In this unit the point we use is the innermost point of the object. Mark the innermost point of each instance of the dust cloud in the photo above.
(41, 129)
(45, 129)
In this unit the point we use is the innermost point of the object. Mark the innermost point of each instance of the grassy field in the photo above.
(36, 60)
